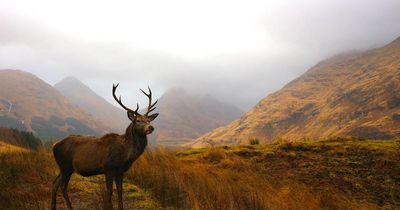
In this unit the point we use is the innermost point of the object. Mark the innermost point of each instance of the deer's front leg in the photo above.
(118, 182)
(109, 184)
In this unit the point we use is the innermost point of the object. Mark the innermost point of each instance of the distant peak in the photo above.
(71, 80)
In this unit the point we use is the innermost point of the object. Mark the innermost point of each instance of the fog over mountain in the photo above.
(102, 111)
(352, 94)
(238, 51)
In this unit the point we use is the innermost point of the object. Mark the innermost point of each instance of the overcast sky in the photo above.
(237, 51)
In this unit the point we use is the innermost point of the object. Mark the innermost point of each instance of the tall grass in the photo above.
(324, 175)
(219, 180)
(25, 179)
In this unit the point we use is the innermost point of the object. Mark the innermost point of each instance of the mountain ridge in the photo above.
(354, 95)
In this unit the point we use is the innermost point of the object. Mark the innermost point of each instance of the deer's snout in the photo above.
(149, 129)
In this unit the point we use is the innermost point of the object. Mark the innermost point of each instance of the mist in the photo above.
(237, 51)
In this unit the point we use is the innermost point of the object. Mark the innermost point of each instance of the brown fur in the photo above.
(110, 155)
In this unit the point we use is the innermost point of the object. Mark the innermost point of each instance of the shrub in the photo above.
(254, 141)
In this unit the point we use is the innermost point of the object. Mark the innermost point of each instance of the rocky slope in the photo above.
(91, 103)
(353, 94)
(28, 103)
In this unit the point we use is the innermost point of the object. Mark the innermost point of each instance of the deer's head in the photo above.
(141, 123)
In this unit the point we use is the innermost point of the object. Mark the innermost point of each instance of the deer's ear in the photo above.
(132, 116)
(153, 116)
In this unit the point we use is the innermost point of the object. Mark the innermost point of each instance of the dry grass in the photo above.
(26, 178)
(8, 148)
(322, 175)
(334, 174)
(188, 184)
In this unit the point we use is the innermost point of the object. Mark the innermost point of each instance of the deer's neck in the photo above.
(135, 142)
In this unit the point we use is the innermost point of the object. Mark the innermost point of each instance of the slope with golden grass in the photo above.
(355, 94)
(10, 149)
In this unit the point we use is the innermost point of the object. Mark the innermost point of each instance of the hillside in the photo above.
(184, 117)
(91, 103)
(39, 108)
(354, 94)
(19, 138)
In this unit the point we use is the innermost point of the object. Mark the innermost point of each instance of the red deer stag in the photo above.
(110, 155)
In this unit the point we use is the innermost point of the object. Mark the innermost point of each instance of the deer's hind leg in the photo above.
(56, 185)
(118, 183)
(65, 177)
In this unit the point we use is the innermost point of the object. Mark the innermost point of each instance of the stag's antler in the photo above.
(151, 106)
(120, 102)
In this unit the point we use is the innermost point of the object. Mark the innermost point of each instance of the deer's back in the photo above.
(87, 155)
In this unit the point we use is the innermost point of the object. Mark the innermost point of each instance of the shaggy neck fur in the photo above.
(137, 142)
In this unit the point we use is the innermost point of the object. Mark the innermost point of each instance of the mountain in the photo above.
(28, 103)
(184, 117)
(86, 99)
(352, 94)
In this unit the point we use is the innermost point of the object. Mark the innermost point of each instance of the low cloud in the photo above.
(299, 35)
